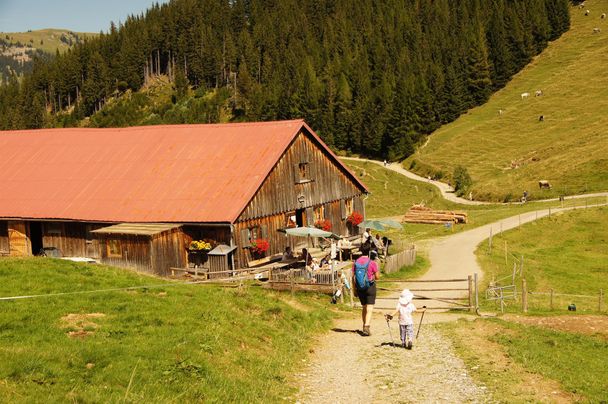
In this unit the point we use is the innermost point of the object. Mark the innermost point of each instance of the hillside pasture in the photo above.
(168, 342)
(565, 253)
(507, 148)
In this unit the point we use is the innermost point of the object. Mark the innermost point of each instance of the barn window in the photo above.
(114, 248)
(303, 172)
(348, 206)
(319, 213)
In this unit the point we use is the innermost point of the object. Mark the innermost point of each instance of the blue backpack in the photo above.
(361, 279)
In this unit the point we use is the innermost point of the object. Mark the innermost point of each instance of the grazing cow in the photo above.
(582, 5)
(603, 16)
(500, 112)
(538, 93)
(524, 95)
(544, 184)
(541, 118)
(587, 12)
(596, 30)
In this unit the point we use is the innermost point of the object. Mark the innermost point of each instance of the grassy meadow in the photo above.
(506, 153)
(392, 194)
(47, 40)
(565, 252)
(522, 363)
(165, 343)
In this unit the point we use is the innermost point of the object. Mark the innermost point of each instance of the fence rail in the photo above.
(395, 262)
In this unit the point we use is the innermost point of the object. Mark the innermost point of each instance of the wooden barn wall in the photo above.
(219, 234)
(73, 239)
(270, 225)
(4, 246)
(281, 193)
(168, 250)
(135, 252)
(19, 243)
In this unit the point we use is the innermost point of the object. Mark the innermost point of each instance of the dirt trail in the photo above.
(349, 368)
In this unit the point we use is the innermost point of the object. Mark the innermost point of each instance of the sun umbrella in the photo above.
(307, 232)
(380, 224)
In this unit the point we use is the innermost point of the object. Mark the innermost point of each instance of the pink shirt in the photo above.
(372, 269)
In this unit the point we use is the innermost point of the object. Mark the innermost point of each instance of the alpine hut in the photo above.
(140, 196)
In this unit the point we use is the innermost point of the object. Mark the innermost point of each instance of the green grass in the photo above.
(565, 252)
(47, 40)
(576, 361)
(173, 343)
(569, 148)
(392, 194)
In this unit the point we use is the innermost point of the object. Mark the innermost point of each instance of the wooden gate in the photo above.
(435, 294)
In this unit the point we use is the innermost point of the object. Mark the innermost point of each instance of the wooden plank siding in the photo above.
(168, 249)
(73, 239)
(284, 191)
(135, 251)
(281, 192)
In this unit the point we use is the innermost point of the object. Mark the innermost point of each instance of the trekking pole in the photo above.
(388, 324)
(420, 325)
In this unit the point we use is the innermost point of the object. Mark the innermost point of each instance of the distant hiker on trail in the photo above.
(365, 274)
(385, 163)
(405, 308)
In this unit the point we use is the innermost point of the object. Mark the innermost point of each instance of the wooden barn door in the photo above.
(17, 239)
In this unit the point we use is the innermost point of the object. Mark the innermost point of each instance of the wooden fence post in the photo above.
(490, 242)
(524, 296)
(352, 286)
(476, 292)
(506, 262)
(551, 299)
(291, 281)
(521, 268)
(470, 283)
(601, 300)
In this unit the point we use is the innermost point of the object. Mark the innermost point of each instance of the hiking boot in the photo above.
(409, 345)
(403, 345)
(366, 331)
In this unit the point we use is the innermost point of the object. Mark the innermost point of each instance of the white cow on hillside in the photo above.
(524, 95)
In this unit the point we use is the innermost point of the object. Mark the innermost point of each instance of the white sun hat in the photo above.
(405, 297)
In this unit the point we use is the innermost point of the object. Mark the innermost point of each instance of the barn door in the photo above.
(17, 239)
(92, 245)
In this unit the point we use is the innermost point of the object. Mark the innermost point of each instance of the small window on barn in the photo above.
(114, 248)
(319, 213)
(255, 233)
(303, 172)
(53, 228)
(348, 205)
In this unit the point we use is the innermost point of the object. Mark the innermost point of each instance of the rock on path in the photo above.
(349, 368)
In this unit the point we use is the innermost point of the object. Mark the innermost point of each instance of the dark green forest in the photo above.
(371, 77)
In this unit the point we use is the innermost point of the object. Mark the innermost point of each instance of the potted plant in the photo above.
(353, 220)
(259, 247)
(197, 252)
(323, 224)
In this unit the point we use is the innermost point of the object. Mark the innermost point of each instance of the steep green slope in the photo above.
(47, 40)
(507, 153)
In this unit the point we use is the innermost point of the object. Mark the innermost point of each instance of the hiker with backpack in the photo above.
(404, 309)
(365, 274)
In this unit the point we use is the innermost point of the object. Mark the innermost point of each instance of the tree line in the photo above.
(371, 77)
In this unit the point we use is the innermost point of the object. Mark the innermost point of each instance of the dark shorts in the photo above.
(367, 296)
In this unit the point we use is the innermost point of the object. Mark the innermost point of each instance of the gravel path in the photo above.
(349, 368)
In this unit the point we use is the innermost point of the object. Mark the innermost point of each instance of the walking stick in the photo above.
(420, 325)
(388, 324)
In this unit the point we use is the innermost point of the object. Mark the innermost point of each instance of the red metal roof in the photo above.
(178, 173)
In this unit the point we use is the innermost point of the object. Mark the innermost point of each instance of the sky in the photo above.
(74, 15)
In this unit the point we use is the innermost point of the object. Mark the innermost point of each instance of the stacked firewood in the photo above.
(423, 214)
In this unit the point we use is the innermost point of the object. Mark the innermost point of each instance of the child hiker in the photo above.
(405, 308)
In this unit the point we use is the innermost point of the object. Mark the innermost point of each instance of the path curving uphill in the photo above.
(447, 192)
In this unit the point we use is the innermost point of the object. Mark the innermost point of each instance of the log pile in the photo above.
(423, 214)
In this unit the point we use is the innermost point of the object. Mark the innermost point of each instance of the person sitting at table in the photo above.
(306, 257)
(287, 254)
